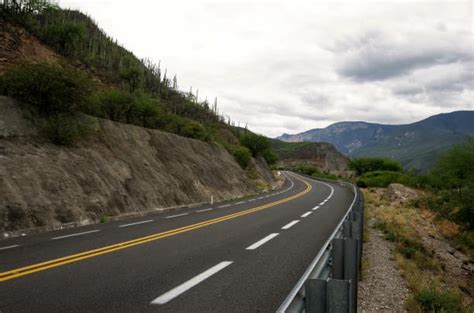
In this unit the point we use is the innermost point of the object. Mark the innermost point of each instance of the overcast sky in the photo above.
(288, 66)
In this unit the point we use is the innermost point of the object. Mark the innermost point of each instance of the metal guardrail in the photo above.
(330, 282)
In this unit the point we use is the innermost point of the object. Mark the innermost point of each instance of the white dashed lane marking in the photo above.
(175, 292)
(290, 224)
(261, 241)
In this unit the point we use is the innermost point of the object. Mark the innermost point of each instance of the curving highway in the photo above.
(241, 256)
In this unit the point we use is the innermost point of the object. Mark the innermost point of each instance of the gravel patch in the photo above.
(382, 288)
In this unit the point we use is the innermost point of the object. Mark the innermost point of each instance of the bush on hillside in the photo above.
(192, 129)
(65, 37)
(378, 179)
(257, 144)
(147, 111)
(115, 104)
(365, 165)
(57, 93)
(453, 181)
(242, 155)
(270, 157)
(52, 89)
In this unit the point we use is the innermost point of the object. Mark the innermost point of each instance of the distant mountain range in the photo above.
(416, 145)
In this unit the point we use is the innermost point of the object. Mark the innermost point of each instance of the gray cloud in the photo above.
(282, 67)
(377, 56)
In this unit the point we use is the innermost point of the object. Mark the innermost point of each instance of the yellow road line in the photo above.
(23, 271)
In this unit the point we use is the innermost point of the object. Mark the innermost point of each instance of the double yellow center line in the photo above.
(23, 271)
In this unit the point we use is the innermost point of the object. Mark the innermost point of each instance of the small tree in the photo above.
(147, 111)
(115, 104)
(242, 155)
(257, 144)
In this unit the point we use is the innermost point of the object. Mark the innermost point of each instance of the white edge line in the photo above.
(224, 206)
(261, 242)
(136, 223)
(286, 303)
(76, 234)
(241, 202)
(316, 207)
(177, 215)
(175, 292)
(306, 214)
(205, 210)
(9, 247)
(290, 224)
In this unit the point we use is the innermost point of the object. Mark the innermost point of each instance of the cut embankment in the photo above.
(121, 169)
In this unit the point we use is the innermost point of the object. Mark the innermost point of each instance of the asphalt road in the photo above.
(243, 256)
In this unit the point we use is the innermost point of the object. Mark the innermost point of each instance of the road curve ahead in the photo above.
(241, 256)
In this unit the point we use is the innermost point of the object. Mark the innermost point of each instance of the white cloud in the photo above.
(288, 66)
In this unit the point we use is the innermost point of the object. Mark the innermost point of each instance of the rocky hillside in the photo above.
(120, 169)
(321, 154)
(415, 145)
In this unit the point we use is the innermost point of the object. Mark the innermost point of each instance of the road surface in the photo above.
(241, 256)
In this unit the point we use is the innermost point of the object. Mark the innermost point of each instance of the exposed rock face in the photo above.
(400, 193)
(321, 154)
(118, 170)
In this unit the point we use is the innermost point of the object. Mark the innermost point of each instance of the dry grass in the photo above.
(423, 273)
(448, 229)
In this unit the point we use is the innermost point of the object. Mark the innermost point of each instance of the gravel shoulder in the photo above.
(382, 287)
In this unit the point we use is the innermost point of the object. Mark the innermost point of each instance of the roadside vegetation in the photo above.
(443, 212)
(98, 77)
(314, 171)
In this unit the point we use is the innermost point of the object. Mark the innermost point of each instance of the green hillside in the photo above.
(120, 86)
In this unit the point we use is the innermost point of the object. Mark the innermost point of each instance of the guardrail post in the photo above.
(339, 296)
(346, 229)
(351, 268)
(345, 261)
(328, 296)
(337, 270)
(315, 296)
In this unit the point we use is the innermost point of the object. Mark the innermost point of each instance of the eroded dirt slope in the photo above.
(120, 169)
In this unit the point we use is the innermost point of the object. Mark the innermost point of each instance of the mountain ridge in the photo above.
(416, 145)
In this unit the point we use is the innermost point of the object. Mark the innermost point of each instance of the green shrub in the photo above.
(64, 37)
(270, 157)
(242, 155)
(148, 111)
(452, 179)
(257, 144)
(192, 129)
(364, 165)
(52, 89)
(378, 179)
(434, 300)
(115, 105)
